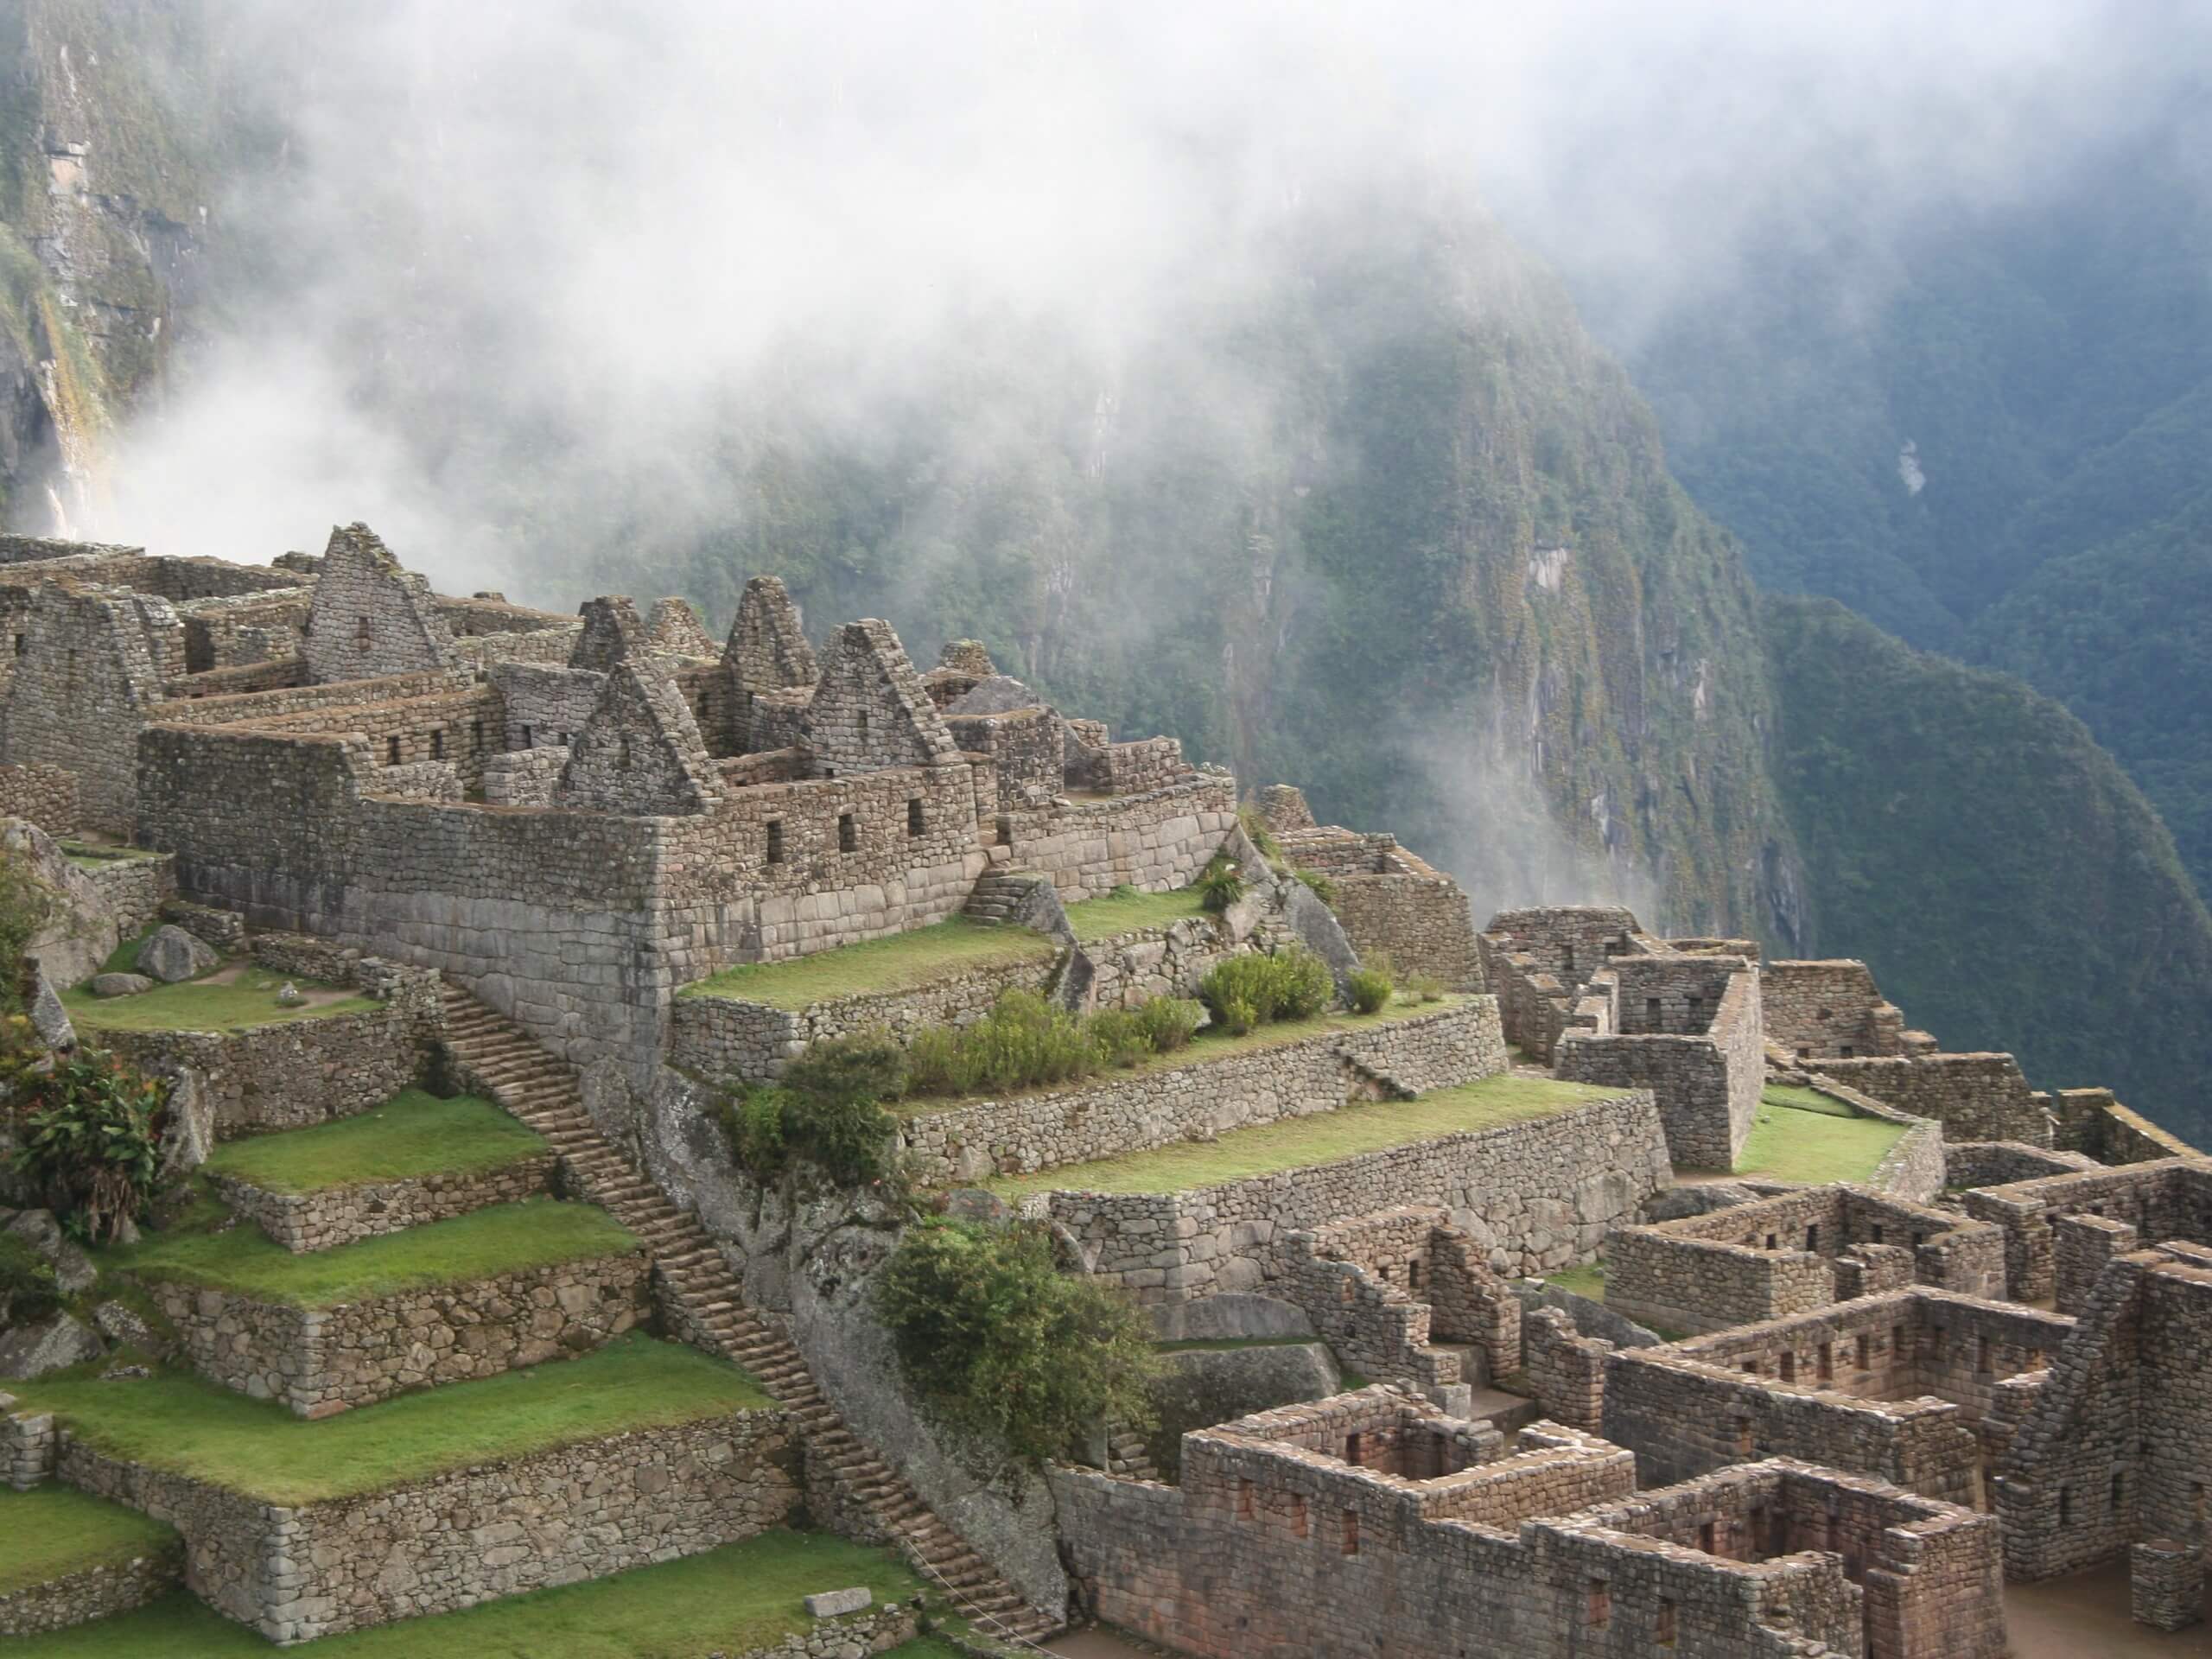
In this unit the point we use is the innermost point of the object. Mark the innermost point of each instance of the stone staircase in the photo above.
(1002, 896)
(508, 1064)
(1126, 1454)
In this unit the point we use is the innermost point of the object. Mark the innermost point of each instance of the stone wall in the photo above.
(321, 1360)
(523, 777)
(545, 706)
(2170, 1198)
(2092, 1122)
(1381, 1289)
(134, 888)
(1145, 764)
(1027, 747)
(276, 706)
(1974, 1096)
(1564, 1370)
(45, 794)
(1687, 1029)
(1111, 1113)
(322, 1220)
(90, 668)
(1156, 841)
(1420, 922)
(370, 617)
(1786, 1255)
(1537, 1196)
(1828, 1010)
(1892, 1386)
(583, 1510)
(94, 1592)
(1969, 1164)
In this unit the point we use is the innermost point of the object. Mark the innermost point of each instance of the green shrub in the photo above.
(25, 904)
(1427, 987)
(1370, 990)
(827, 1112)
(1120, 1036)
(1236, 1015)
(1303, 985)
(1220, 886)
(1169, 1022)
(28, 1290)
(1001, 1342)
(869, 1064)
(1323, 889)
(90, 1141)
(1291, 984)
(1022, 1042)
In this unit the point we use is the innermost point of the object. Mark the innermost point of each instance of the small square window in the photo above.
(1663, 1627)
(775, 841)
(849, 833)
(437, 746)
(392, 752)
(1352, 1532)
(916, 823)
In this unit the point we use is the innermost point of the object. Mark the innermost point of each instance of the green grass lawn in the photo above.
(1206, 1046)
(51, 1531)
(1787, 1144)
(1805, 1100)
(1323, 1138)
(174, 1421)
(1125, 910)
(196, 1004)
(1587, 1280)
(901, 963)
(740, 1597)
(411, 1133)
(502, 1239)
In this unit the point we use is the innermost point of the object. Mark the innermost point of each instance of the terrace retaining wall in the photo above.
(341, 1214)
(93, 1593)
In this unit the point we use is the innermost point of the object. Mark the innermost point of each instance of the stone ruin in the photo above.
(1806, 1421)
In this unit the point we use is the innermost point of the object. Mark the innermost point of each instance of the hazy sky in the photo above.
(578, 228)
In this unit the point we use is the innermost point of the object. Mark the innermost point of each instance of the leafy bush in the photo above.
(1001, 1342)
(1292, 984)
(1120, 1036)
(90, 1141)
(827, 1112)
(1370, 990)
(1220, 886)
(1427, 987)
(28, 1290)
(1169, 1022)
(1024, 1040)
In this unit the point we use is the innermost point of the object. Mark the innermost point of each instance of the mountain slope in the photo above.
(2008, 884)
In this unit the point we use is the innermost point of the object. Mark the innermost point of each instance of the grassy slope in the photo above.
(898, 963)
(194, 1005)
(2007, 884)
(505, 1238)
(1786, 1144)
(1204, 1047)
(413, 1133)
(181, 1424)
(740, 1597)
(1125, 910)
(51, 1531)
(1324, 1137)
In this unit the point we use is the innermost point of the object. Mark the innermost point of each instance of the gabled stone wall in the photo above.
(91, 666)
(370, 617)
(1828, 1010)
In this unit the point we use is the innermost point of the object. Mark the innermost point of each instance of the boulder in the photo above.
(1201, 1387)
(1229, 1318)
(172, 955)
(55, 1344)
(1700, 1199)
(188, 1135)
(48, 1018)
(72, 1269)
(120, 984)
(80, 931)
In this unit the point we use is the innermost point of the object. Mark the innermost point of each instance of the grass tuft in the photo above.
(501, 1238)
(875, 967)
(1787, 1144)
(174, 1421)
(1126, 910)
(734, 1600)
(51, 1531)
(1322, 1138)
(412, 1134)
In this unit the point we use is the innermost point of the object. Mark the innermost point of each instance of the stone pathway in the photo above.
(507, 1063)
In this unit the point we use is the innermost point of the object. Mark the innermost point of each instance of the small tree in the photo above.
(1004, 1344)
(89, 1133)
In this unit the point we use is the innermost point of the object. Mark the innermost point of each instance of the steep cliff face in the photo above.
(107, 118)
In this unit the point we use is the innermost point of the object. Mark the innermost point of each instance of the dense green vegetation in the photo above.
(2008, 886)
(1025, 1042)
(177, 1422)
(736, 1599)
(1324, 1137)
(501, 1238)
(1000, 1341)
(879, 967)
(51, 1530)
(1789, 1143)
(87, 1140)
(412, 1134)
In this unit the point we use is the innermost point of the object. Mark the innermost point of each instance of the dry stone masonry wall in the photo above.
(322, 1220)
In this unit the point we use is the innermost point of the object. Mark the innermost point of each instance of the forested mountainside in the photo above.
(2008, 883)
(1377, 518)
(1995, 439)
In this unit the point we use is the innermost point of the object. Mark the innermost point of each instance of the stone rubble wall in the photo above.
(1974, 1096)
(1115, 1113)
(1145, 764)
(1538, 1196)
(1969, 1164)
(28, 1445)
(1564, 1370)
(370, 617)
(585, 1510)
(459, 728)
(2170, 1198)
(91, 665)
(45, 794)
(134, 889)
(545, 706)
(319, 1361)
(1027, 747)
(276, 673)
(523, 777)
(1828, 1010)
(1707, 1081)
(1156, 841)
(304, 1221)
(2092, 1122)
(1381, 1289)
(203, 704)
(1421, 923)
(95, 1592)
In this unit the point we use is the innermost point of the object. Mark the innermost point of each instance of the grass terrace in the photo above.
(51, 1531)
(1126, 910)
(904, 961)
(412, 1134)
(502, 1239)
(234, 1002)
(91, 854)
(1815, 1145)
(1323, 1138)
(735, 1598)
(1587, 1280)
(1208, 1044)
(174, 1421)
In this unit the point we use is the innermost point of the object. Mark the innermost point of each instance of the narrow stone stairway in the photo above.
(1002, 896)
(1128, 1454)
(507, 1063)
